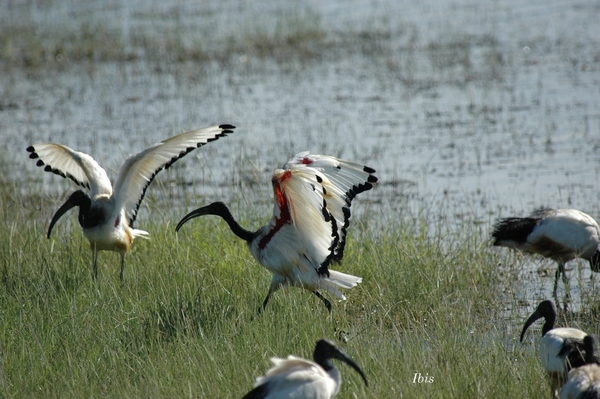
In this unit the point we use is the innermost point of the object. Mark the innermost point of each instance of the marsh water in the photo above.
(469, 110)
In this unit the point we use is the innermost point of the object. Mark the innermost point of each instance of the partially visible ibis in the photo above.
(558, 234)
(560, 349)
(584, 381)
(297, 378)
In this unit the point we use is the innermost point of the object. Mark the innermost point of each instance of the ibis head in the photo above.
(326, 350)
(545, 309)
(78, 198)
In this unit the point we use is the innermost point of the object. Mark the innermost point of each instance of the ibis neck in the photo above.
(220, 209)
(548, 324)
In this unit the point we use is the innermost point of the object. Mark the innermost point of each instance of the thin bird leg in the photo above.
(122, 266)
(566, 282)
(277, 283)
(264, 306)
(325, 300)
(94, 263)
(561, 270)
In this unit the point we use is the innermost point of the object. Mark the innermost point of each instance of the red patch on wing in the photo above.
(306, 161)
(117, 221)
(285, 216)
(284, 176)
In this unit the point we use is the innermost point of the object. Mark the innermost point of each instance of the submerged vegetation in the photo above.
(296, 33)
(185, 321)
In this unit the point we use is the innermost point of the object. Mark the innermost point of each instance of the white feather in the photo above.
(582, 380)
(139, 169)
(552, 343)
(79, 167)
(297, 378)
(576, 232)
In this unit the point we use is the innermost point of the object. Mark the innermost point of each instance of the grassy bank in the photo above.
(185, 322)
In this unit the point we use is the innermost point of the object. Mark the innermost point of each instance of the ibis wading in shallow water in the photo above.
(584, 381)
(561, 349)
(297, 378)
(311, 214)
(107, 214)
(558, 234)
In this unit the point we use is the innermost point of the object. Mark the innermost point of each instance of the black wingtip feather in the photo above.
(30, 149)
(369, 170)
(347, 213)
(326, 214)
(372, 179)
(183, 153)
(39, 163)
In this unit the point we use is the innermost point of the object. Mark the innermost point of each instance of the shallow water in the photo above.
(468, 110)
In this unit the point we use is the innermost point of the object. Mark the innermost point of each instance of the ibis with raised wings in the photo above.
(108, 212)
(311, 215)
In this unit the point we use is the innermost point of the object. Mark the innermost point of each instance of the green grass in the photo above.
(185, 324)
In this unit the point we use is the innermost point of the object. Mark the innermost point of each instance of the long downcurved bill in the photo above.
(341, 356)
(193, 214)
(71, 203)
(534, 317)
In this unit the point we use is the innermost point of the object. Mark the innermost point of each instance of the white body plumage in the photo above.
(297, 378)
(550, 351)
(583, 383)
(558, 234)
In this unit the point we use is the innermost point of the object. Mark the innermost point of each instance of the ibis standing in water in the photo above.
(561, 349)
(558, 234)
(297, 378)
(584, 381)
(307, 232)
(107, 214)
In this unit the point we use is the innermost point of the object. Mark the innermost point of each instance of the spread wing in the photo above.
(139, 170)
(77, 166)
(299, 200)
(335, 182)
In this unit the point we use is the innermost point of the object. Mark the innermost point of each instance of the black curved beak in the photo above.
(344, 358)
(193, 214)
(532, 319)
(76, 199)
(216, 208)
